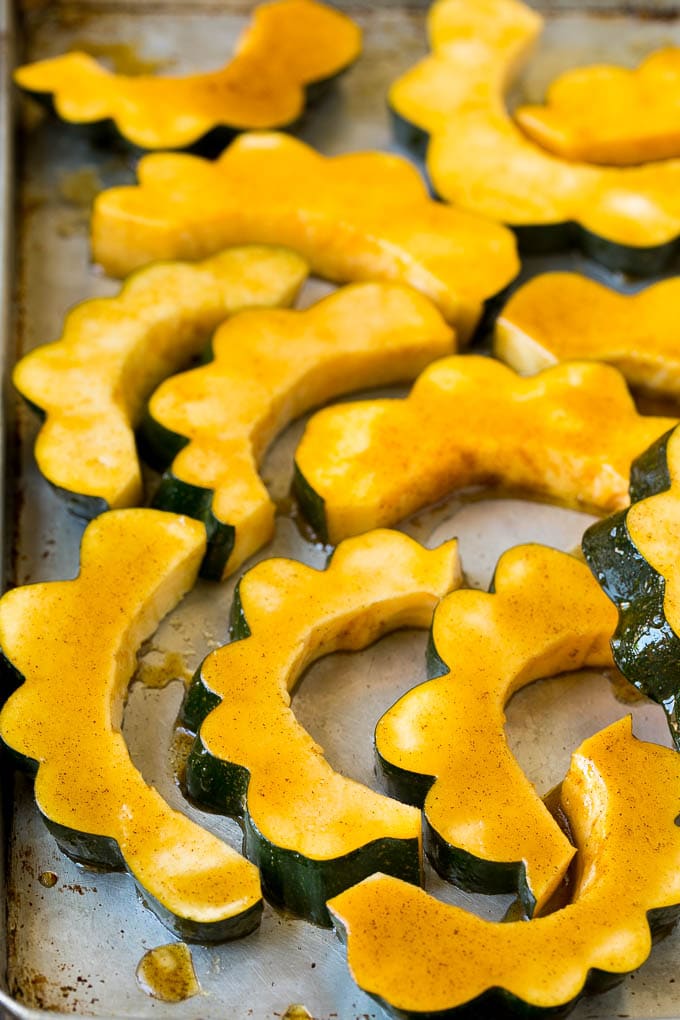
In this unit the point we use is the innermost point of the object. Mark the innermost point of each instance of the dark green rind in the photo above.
(543, 238)
(312, 505)
(303, 885)
(181, 497)
(295, 882)
(237, 620)
(499, 1004)
(199, 701)
(96, 851)
(463, 869)
(159, 447)
(645, 647)
(103, 133)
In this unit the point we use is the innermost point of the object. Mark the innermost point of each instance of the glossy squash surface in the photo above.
(478, 159)
(485, 827)
(423, 958)
(72, 645)
(291, 44)
(92, 383)
(634, 557)
(355, 217)
(608, 114)
(564, 316)
(268, 368)
(311, 831)
(470, 420)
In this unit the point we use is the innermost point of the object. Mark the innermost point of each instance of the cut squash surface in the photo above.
(290, 44)
(470, 420)
(608, 114)
(74, 644)
(485, 827)
(269, 368)
(564, 316)
(479, 160)
(420, 957)
(311, 830)
(356, 217)
(92, 383)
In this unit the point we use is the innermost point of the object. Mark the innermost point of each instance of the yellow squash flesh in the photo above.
(290, 44)
(562, 316)
(547, 615)
(295, 800)
(360, 216)
(421, 956)
(569, 433)
(481, 161)
(74, 643)
(269, 368)
(609, 114)
(93, 382)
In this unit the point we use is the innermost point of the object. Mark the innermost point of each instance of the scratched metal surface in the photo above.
(75, 947)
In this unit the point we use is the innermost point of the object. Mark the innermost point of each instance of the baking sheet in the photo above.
(75, 947)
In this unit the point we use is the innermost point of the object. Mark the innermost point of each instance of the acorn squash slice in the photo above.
(359, 216)
(442, 745)
(72, 645)
(634, 555)
(562, 316)
(422, 958)
(268, 368)
(290, 46)
(477, 158)
(609, 114)
(311, 831)
(91, 385)
(470, 420)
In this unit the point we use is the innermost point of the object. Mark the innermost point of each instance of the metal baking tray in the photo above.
(75, 947)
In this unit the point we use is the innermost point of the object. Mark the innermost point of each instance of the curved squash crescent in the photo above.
(290, 46)
(362, 216)
(361, 466)
(311, 831)
(621, 798)
(443, 743)
(562, 316)
(478, 159)
(269, 368)
(72, 645)
(92, 383)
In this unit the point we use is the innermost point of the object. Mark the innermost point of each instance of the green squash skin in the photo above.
(159, 447)
(295, 882)
(645, 647)
(312, 505)
(498, 1004)
(95, 851)
(544, 238)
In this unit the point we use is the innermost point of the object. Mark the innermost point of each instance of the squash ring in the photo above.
(72, 646)
(559, 317)
(311, 831)
(269, 368)
(291, 47)
(442, 745)
(423, 958)
(476, 421)
(633, 555)
(92, 383)
(362, 216)
(453, 104)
